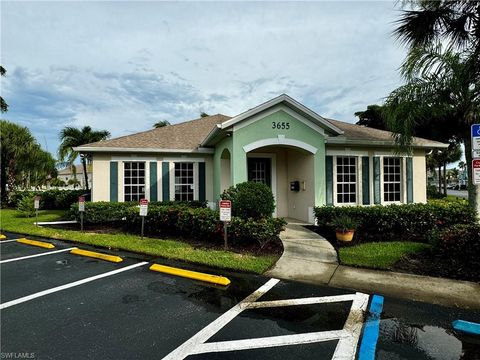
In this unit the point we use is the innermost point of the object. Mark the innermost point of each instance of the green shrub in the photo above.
(54, 199)
(102, 212)
(26, 206)
(433, 193)
(414, 222)
(459, 247)
(250, 200)
(262, 231)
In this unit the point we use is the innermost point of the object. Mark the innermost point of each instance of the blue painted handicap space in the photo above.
(371, 329)
(466, 327)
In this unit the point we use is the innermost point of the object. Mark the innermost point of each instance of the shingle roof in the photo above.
(186, 135)
(189, 135)
(360, 133)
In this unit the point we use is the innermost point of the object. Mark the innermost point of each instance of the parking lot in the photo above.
(57, 305)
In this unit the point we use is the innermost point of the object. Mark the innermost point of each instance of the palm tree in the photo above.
(3, 104)
(447, 89)
(161, 123)
(71, 137)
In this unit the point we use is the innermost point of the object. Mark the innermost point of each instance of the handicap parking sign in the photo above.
(476, 140)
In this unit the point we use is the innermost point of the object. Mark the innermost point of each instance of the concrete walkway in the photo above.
(309, 258)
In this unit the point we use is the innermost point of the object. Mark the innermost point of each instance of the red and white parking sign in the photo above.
(143, 207)
(81, 203)
(476, 171)
(225, 210)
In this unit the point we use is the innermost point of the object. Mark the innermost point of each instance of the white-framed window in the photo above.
(184, 183)
(134, 180)
(346, 180)
(392, 179)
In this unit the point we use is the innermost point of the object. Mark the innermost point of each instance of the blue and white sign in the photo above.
(476, 140)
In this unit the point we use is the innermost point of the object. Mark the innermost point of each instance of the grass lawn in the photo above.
(379, 255)
(167, 248)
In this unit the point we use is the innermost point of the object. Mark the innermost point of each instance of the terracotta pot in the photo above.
(346, 235)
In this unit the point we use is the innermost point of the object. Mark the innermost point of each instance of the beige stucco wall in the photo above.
(419, 177)
(101, 177)
(101, 173)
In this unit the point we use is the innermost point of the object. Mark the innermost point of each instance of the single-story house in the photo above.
(306, 159)
(68, 174)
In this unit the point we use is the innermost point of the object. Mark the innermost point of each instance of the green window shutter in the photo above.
(409, 180)
(329, 179)
(365, 180)
(153, 181)
(165, 181)
(377, 196)
(201, 181)
(113, 181)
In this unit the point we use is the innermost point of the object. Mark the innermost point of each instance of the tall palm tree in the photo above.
(71, 137)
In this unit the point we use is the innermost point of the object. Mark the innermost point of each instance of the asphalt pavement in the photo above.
(56, 305)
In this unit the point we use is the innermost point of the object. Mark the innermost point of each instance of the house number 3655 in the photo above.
(280, 125)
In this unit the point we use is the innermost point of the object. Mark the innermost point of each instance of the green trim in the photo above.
(114, 181)
(409, 180)
(377, 196)
(365, 180)
(165, 181)
(201, 181)
(329, 179)
(153, 181)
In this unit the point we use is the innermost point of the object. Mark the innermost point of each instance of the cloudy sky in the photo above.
(122, 66)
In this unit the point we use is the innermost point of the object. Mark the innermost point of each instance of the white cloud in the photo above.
(123, 66)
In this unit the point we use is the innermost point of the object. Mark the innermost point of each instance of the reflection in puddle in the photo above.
(410, 341)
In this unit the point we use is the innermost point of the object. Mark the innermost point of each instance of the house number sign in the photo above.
(280, 125)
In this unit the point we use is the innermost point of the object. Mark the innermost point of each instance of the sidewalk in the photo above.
(310, 258)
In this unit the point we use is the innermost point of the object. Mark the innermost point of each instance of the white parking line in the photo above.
(67, 286)
(189, 346)
(36, 255)
(347, 337)
(7, 241)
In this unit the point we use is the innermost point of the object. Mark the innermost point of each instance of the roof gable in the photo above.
(290, 103)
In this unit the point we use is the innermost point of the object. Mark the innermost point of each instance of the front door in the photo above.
(260, 170)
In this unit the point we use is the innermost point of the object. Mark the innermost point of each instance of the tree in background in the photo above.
(23, 163)
(445, 83)
(161, 123)
(372, 117)
(439, 159)
(3, 104)
(71, 137)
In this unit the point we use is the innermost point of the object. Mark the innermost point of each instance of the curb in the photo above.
(97, 255)
(42, 244)
(215, 279)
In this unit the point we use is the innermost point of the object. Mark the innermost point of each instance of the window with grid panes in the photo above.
(134, 181)
(184, 181)
(391, 179)
(346, 179)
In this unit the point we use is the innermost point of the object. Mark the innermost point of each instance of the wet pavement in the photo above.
(140, 314)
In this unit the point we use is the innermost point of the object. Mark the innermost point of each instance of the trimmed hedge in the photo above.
(250, 200)
(110, 213)
(413, 222)
(54, 199)
(182, 219)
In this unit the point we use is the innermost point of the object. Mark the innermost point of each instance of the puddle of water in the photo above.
(402, 340)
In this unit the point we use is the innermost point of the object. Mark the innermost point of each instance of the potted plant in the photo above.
(344, 227)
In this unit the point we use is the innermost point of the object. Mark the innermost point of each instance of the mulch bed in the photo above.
(272, 248)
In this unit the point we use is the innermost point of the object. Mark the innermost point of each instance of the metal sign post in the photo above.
(36, 205)
(81, 209)
(226, 217)
(143, 212)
